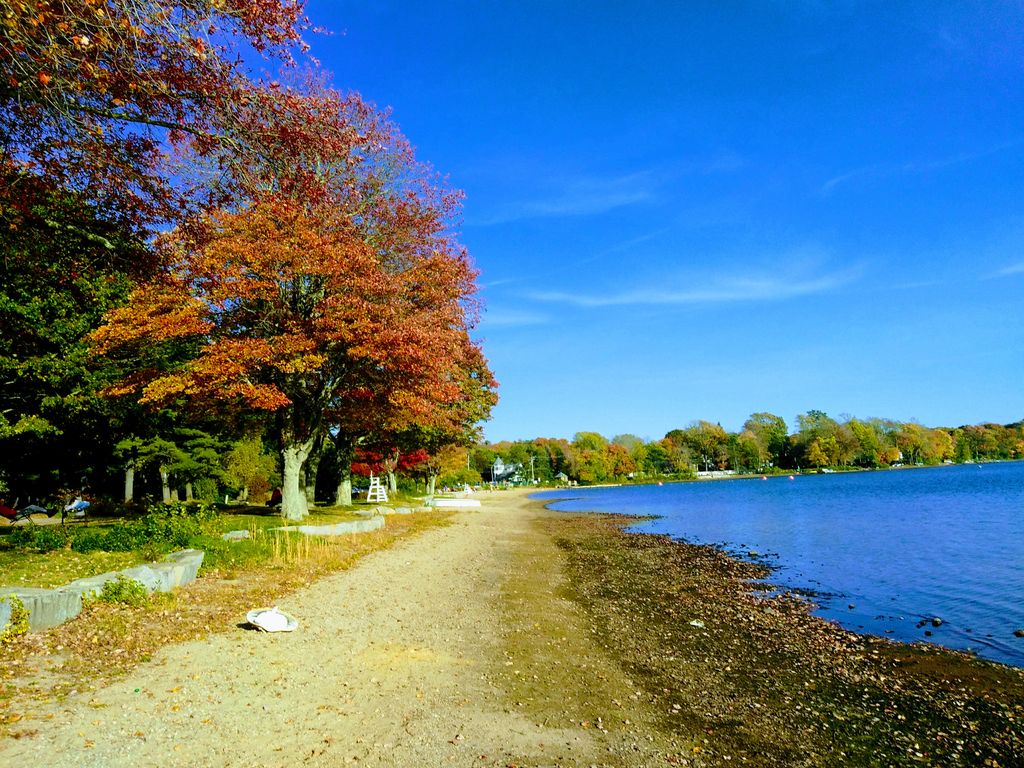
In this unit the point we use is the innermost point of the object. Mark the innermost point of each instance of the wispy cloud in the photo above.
(1012, 269)
(731, 289)
(881, 170)
(835, 181)
(511, 318)
(500, 282)
(576, 197)
(626, 246)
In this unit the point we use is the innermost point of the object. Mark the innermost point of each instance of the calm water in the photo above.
(900, 546)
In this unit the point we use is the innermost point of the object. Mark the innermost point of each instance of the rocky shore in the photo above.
(755, 679)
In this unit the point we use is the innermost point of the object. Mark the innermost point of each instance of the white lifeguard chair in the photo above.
(377, 492)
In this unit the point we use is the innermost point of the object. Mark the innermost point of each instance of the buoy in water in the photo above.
(792, 478)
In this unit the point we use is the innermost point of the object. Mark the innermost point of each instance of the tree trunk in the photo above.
(129, 484)
(431, 484)
(293, 500)
(345, 450)
(165, 483)
(188, 491)
(392, 482)
(343, 496)
(312, 470)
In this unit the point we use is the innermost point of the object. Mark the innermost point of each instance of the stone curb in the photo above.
(50, 607)
(338, 529)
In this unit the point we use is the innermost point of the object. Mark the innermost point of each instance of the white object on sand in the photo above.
(272, 620)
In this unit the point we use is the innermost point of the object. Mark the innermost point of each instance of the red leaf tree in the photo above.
(92, 90)
(387, 428)
(293, 315)
(336, 291)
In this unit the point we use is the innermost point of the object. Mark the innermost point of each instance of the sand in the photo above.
(408, 659)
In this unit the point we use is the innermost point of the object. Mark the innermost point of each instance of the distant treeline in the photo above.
(765, 444)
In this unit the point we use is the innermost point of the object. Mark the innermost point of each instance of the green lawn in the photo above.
(53, 569)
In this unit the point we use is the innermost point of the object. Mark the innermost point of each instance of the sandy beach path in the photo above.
(404, 660)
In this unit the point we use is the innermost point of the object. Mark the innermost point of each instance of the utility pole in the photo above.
(532, 459)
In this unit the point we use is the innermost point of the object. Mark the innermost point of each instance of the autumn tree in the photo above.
(560, 457)
(93, 91)
(295, 314)
(746, 452)
(628, 441)
(705, 440)
(816, 453)
(619, 460)
(387, 427)
(94, 97)
(772, 435)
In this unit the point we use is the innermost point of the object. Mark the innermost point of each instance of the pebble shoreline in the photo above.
(768, 683)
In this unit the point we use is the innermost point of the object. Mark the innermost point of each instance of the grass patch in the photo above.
(51, 556)
(54, 569)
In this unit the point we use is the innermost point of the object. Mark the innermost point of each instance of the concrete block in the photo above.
(338, 529)
(456, 503)
(146, 576)
(90, 586)
(46, 607)
(171, 575)
(50, 607)
(191, 560)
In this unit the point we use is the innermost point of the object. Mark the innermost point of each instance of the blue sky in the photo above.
(699, 210)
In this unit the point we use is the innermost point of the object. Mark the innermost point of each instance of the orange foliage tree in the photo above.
(293, 313)
(329, 289)
(398, 431)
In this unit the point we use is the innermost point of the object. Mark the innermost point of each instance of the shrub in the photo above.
(40, 538)
(163, 528)
(458, 478)
(18, 624)
(175, 525)
(124, 591)
(121, 537)
(89, 540)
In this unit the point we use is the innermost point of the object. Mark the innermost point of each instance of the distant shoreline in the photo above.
(769, 475)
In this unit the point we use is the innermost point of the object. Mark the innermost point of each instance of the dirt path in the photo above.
(453, 648)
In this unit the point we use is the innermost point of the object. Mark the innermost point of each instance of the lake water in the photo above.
(901, 546)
